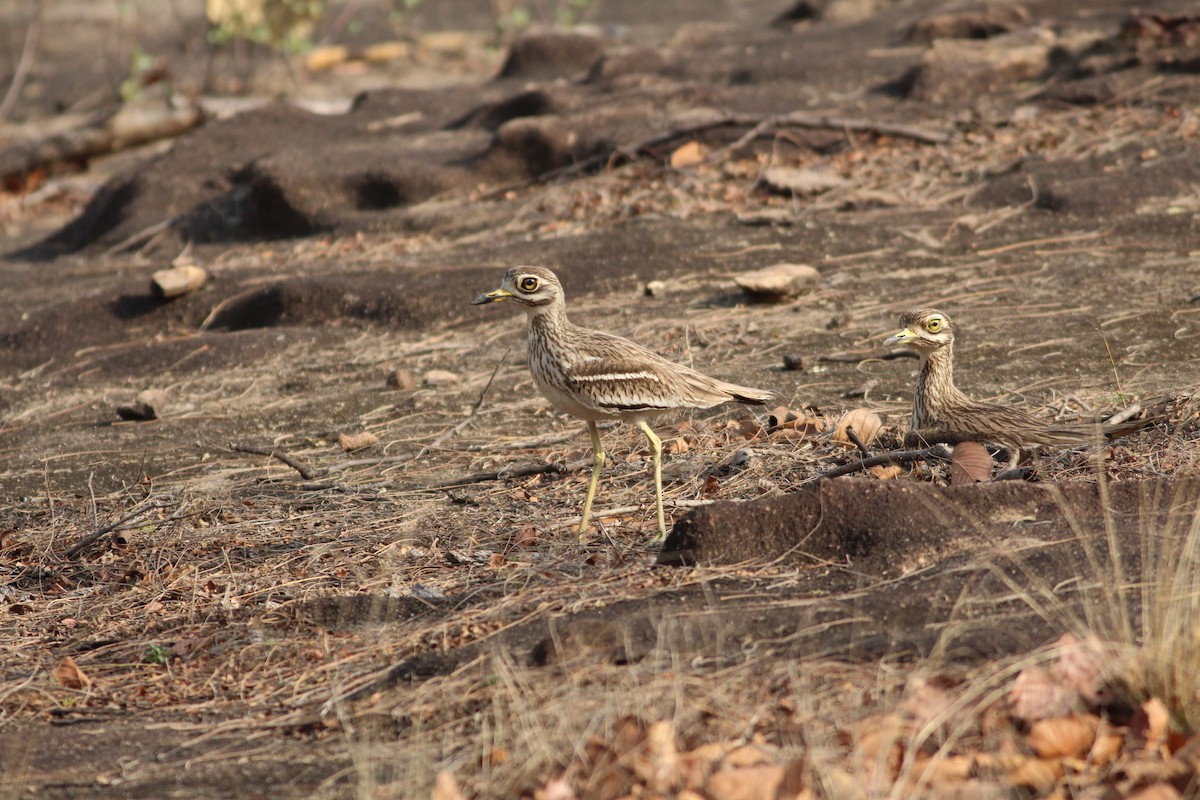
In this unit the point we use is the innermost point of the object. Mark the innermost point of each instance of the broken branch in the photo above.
(308, 473)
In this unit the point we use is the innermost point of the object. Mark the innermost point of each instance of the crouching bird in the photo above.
(942, 413)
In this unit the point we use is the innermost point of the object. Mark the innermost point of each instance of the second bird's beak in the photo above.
(899, 337)
(491, 297)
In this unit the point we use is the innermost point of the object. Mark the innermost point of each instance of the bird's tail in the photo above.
(1079, 434)
(752, 397)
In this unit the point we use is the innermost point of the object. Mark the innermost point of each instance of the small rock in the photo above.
(178, 280)
(975, 20)
(677, 471)
(323, 58)
(741, 458)
(850, 11)
(955, 68)
(793, 363)
(551, 54)
(385, 52)
(655, 288)
(148, 405)
(401, 380)
(777, 282)
(445, 42)
(440, 377)
(801, 182)
(861, 390)
(356, 441)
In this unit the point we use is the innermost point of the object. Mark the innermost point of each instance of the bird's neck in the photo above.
(550, 317)
(935, 387)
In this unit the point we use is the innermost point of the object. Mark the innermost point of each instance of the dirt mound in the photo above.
(878, 524)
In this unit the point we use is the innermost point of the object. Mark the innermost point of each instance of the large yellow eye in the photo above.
(934, 324)
(528, 284)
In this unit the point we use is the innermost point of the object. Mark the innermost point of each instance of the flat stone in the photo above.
(778, 282)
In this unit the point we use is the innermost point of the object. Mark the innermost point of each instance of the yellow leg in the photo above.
(656, 446)
(597, 465)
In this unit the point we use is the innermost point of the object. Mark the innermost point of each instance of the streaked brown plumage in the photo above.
(942, 413)
(594, 375)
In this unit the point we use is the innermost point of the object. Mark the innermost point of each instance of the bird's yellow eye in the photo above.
(934, 324)
(528, 284)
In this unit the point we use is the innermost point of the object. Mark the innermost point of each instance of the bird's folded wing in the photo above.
(616, 384)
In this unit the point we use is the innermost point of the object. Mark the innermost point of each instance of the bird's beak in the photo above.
(492, 297)
(899, 337)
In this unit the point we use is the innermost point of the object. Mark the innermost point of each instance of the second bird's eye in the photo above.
(934, 325)
(528, 284)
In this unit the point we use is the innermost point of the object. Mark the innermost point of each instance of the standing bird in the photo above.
(942, 413)
(595, 376)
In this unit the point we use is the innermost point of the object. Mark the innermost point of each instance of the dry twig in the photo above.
(892, 457)
(91, 538)
(513, 472)
(23, 67)
(306, 472)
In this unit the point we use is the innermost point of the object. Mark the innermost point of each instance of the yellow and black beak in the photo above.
(900, 337)
(492, 297)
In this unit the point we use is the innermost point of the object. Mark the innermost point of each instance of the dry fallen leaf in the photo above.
(886, 472)
(746, 755)
(1037, 774)
(1064, 737)
(1153, 720)
(745, 783)
(356, 441)
(937, 772)
(1036, 695)
(696, 765)
(970, 463)
(687, 154)
(1107, 748)
(658, 766)
(866, 425)
(556, 789)
(445, 787)
(782, 415)
(676, 445)
(1157, 791)
(69, 675)
(1084, 666)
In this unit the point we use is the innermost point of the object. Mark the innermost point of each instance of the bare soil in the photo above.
(352, 623)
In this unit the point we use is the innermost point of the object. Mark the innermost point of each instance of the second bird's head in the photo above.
(924, 330)
(530, 287)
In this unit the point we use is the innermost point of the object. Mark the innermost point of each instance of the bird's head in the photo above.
(924, 330)
(530, 287)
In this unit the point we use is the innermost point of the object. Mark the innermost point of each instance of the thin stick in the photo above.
(145, 234)
(23, 66)
(892, 457)
(852, 436)
(855, 358)
(1113, 362)
(308, 473)
(513, 472)
(88, 540)
(1036, 242)
(475, 408)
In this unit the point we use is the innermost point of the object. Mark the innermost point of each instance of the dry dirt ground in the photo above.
(185, 617)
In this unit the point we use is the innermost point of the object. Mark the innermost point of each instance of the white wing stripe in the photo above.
(616, 376)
